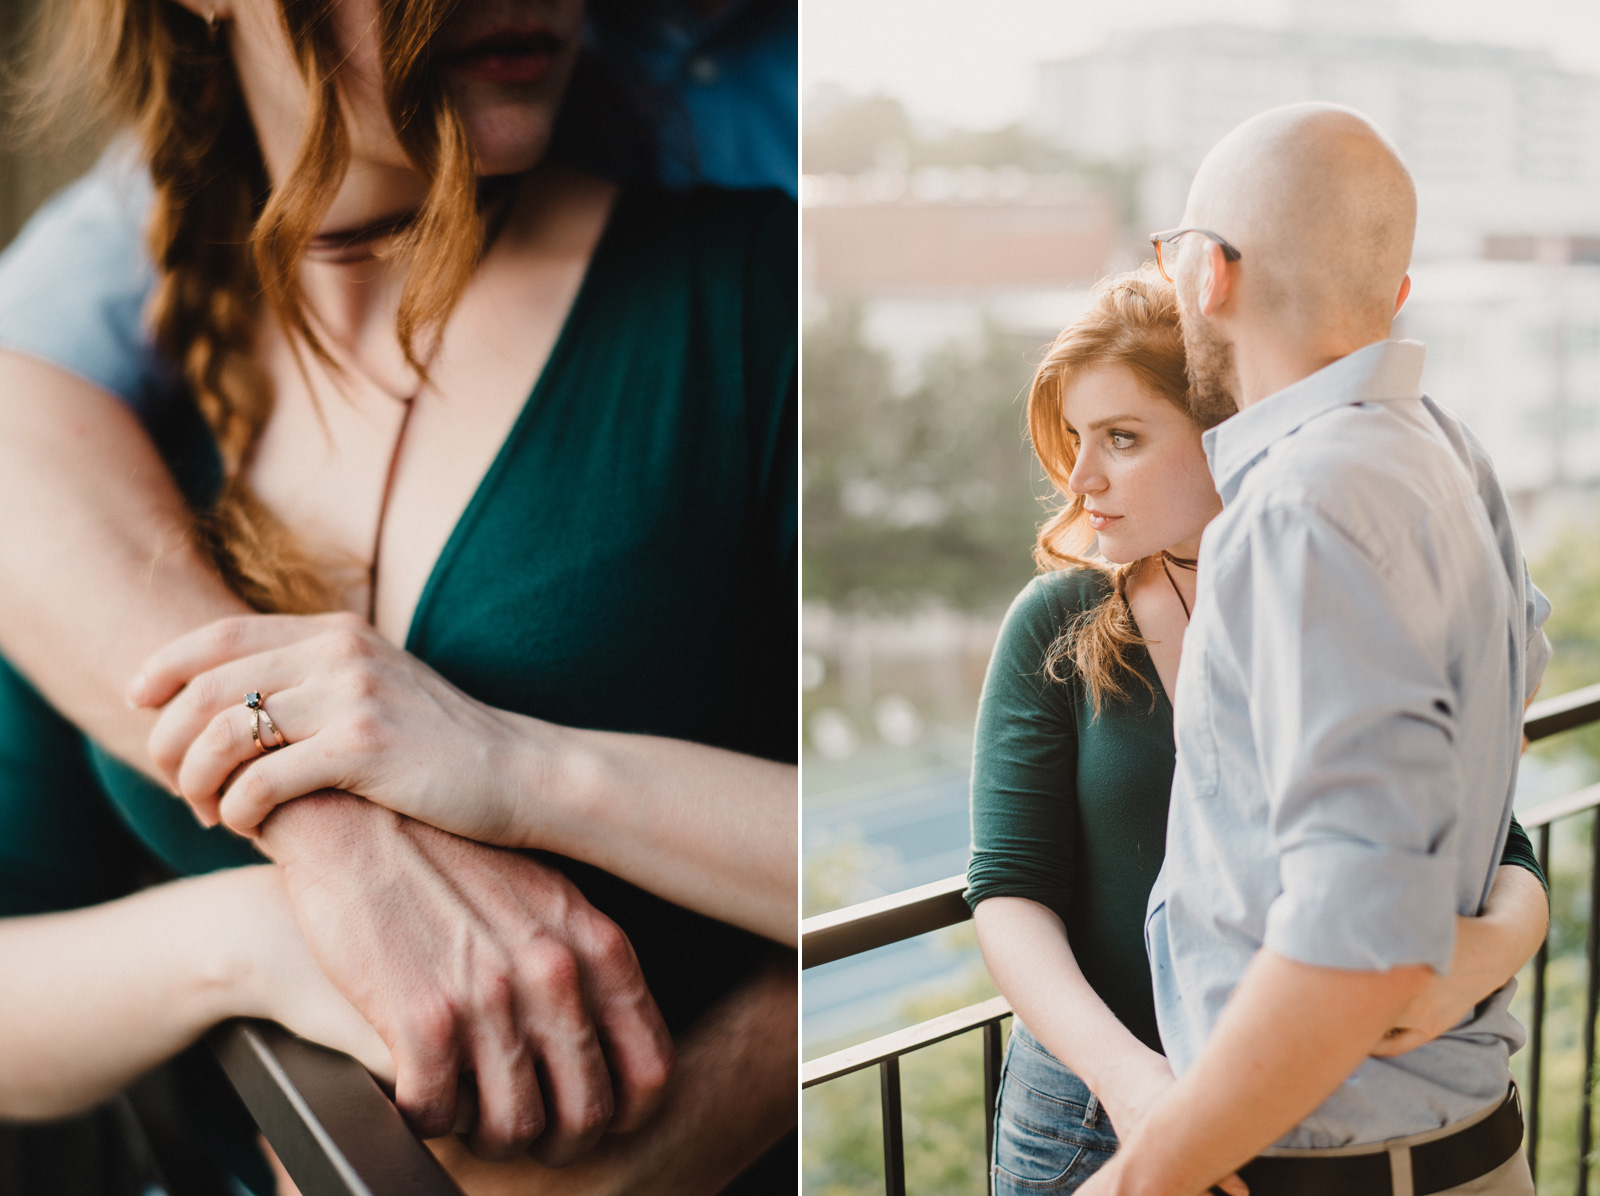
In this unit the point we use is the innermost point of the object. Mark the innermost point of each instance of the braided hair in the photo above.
(227, 245)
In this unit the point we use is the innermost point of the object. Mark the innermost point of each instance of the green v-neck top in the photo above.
(628, 563)
(1070, 809)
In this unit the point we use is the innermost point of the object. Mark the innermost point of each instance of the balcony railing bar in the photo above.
(884, 920)
(894, 1147)
(899, 916)
(1536, 1046)
(1554, 715)
(1591, 1005)
(991, 1082)
(892, 1046)
(335, 1131)
(1556, 808)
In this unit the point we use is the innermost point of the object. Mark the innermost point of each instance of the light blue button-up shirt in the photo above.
(1348, 719)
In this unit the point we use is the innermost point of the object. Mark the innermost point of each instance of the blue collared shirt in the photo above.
(1348, 720)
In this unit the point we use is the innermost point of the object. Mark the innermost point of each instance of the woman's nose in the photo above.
(1085, 477)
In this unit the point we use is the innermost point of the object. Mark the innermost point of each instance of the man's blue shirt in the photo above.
(1348, 722)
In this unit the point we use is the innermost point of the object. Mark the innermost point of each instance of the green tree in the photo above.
(917, 496)
(1569, 574)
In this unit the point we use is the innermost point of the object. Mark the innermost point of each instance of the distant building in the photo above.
(1514, 349)
(938, 251)
(1502, 141)
(954, 230)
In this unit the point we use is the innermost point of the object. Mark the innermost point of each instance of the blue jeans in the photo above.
(1050, 1133)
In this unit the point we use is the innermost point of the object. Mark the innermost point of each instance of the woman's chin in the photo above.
(1118, 554)
(509, 141)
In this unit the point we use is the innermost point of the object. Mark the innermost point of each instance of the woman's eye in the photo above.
(1121, 440)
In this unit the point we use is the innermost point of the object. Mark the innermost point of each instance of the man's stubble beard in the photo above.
(1213, 380)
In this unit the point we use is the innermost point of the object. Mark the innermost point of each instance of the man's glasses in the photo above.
(1167, 248)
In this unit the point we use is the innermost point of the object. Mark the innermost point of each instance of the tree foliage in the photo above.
(926, 495)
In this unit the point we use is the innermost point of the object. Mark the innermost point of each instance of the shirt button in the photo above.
(703, 69)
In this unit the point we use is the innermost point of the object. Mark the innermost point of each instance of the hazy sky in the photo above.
(970, 62)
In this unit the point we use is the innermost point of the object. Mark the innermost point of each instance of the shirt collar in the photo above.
(1377, 372)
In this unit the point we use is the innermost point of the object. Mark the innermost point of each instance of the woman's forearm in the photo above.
(708, 829)
(1494, 946)
(1026, 950)
(1490, 950)
(92, 998)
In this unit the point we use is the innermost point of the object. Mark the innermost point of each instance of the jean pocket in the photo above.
(1027, 1161)
(1050, 1134)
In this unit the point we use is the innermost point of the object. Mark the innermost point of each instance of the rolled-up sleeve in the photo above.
(74, 283)
(1537, 652)
(1353, 714)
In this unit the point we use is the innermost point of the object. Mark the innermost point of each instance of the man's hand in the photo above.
(466, 958)
(708, 1129)
(1290, 1034)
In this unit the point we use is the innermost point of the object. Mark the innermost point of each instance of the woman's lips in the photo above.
(521, 56)
(1100, 522)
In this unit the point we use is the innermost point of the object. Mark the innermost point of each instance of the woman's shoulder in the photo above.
(1061, 593)
(1044, 609)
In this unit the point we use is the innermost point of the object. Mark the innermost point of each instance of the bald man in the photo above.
(1348, 711)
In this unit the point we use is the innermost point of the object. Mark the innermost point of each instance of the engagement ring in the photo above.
(258, 715)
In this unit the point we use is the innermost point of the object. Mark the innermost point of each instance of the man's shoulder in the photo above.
(74, 282)
(1373, 469)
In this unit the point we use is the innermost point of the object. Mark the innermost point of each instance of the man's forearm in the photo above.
(98, 563)
(732, 1096)
(1290, 1035)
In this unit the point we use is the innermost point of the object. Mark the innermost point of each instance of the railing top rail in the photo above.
(883, 920)
(1547, 812)
(325, 1117)
(1562, 713)
(889, 1046)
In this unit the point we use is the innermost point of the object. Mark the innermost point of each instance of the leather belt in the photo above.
(1436, 1166)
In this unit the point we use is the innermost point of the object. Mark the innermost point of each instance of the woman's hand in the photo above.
(1129, 1091)
(1132, 1086)
(276, 976)
(1490, 950)
(358, 713)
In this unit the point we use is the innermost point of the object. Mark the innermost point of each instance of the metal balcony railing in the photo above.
(900, 916)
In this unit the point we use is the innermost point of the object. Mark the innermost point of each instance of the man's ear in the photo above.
(1405, 290)
(1216, 284)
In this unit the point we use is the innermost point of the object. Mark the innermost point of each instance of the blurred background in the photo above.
(970, 168)
(27, 177)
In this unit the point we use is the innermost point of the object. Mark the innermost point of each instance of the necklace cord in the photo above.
(1174, 584)
(409, 405)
